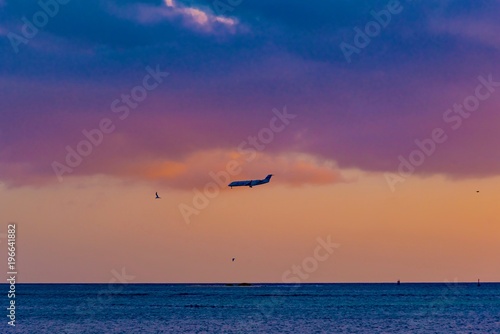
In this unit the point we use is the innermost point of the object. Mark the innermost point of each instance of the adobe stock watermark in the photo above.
(454, 118)
(298, 274)
(12, 270)
(247, 148)
(30, 28)
(122, 107)
(322, 252)
(436, 309)
(221, 7)
(104, 299)
(372, 29)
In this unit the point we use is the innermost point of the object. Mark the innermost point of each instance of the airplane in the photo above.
(250, 183)
(157, 197)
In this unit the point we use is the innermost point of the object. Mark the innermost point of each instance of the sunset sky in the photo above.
(378, 119)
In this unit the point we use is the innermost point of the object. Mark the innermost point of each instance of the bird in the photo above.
(157, 197)
(233, 259)
(477, 191)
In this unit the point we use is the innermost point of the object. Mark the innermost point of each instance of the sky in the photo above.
(378, 120)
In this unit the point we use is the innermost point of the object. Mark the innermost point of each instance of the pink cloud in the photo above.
(200, 167)
(201, 19)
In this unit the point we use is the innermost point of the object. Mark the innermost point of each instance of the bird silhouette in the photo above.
(157, 197)
(233, 259)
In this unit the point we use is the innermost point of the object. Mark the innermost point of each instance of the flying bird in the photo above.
(233, 259)
(157, 197)
(250, 183)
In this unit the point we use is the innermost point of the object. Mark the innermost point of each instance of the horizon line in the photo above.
(254, 283)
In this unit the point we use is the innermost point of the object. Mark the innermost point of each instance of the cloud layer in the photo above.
(229, 69)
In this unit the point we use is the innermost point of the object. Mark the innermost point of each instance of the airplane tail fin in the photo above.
(268, 178)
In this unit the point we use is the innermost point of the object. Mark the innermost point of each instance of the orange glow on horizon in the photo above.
(432, 229)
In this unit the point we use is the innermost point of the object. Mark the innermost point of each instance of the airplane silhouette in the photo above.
(157, 197)
(250, 183)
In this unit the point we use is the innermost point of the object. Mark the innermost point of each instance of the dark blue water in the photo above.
(260, 308)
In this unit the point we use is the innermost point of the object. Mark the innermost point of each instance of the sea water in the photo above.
(258, 308)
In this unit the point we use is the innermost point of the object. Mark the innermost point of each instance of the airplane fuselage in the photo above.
(250, 183)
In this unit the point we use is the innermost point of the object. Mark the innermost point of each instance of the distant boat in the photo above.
(239, 284)
(399, 282)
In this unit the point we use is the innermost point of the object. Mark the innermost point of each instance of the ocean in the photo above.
(259, 308)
